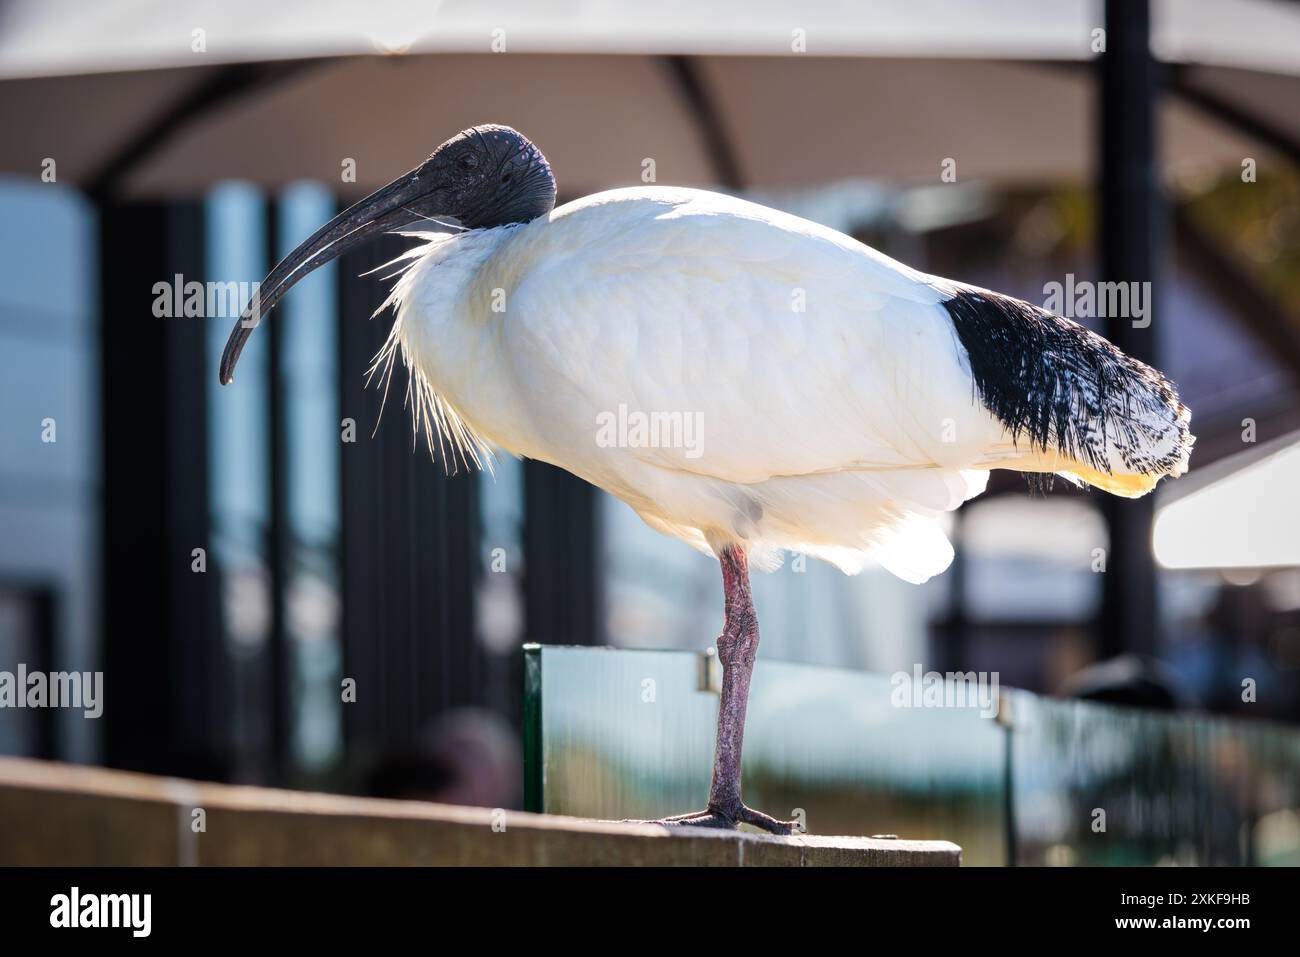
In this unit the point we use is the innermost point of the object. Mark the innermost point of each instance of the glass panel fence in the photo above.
(1098, 784)
(629, 734)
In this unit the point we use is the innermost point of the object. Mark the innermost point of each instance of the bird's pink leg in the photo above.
(737, 647)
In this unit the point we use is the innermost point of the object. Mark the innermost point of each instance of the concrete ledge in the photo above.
(57, 814)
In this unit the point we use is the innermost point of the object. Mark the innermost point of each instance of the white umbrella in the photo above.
(162, 99)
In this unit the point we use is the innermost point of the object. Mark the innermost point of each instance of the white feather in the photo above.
(838, 415)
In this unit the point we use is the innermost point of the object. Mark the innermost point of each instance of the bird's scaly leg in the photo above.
(737, 647)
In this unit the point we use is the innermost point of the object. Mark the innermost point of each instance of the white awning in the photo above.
(1246, 517)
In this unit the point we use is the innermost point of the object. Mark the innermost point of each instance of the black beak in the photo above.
(405, 200)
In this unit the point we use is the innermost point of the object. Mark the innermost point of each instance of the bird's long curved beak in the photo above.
(384, 210)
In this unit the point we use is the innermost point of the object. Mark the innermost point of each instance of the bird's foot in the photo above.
(729, 820)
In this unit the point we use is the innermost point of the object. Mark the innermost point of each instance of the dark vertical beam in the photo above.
(954, 630)
(409, 531)
(562, 584)
(44, 611)
(278, 549)
(367, 644)
(161, 647)
(531, 727)
(133, 408)
(201, 680)
(356, 579)
(1129, 220)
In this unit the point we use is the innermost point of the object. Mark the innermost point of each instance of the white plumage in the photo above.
(838, 415)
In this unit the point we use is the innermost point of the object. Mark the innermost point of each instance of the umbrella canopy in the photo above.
(163, 99)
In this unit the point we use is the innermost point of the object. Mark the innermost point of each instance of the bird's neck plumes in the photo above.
(445, 289)
(1090, 411)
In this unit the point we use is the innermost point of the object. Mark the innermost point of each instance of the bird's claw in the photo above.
(729, 820)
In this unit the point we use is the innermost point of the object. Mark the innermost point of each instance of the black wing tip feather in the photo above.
(1062, 387)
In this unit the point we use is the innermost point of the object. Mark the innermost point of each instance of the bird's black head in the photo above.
(486, 176)
(491, 176)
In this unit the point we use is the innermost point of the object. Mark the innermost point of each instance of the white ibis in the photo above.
(775, 384)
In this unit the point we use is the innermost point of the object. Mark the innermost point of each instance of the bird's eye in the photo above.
(505, 177)
(468, 161)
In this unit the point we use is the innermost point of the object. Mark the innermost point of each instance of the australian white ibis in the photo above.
(840, 400)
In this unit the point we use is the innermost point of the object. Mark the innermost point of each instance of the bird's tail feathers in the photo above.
(1070, 402)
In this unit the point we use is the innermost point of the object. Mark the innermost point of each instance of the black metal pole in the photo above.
(161, 644)
(562, 593)
(954, 637)
(1129, 230)
(409, 539)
